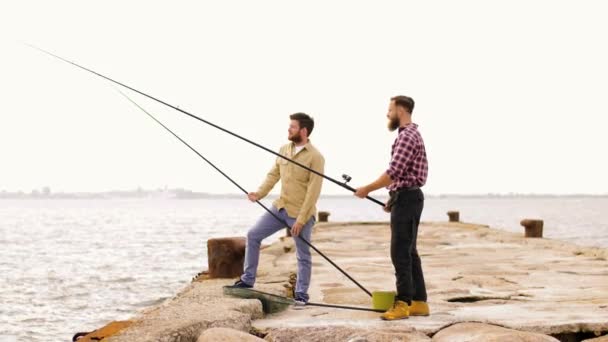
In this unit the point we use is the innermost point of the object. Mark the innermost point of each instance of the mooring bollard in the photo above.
(226, 256)
(454, 216)
(323, 216)
(534, 228)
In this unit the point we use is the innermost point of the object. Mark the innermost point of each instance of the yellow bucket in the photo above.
(383, 300)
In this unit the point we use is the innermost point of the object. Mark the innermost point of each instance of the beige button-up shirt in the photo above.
(300, 188)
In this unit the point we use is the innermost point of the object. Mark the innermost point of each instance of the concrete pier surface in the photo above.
(483, 285)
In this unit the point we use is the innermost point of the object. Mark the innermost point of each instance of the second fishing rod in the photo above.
(245, 191)
(342, 184)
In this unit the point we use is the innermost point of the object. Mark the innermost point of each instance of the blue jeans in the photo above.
(268, 225)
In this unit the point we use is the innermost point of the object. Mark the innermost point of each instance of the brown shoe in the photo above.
(400, 310)
(419, 309)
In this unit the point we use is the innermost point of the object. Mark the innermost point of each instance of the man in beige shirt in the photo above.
(300, 191)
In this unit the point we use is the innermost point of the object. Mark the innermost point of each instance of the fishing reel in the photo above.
(346, 178)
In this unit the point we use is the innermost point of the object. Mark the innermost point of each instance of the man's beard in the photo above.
(393, 124)
(296, 138)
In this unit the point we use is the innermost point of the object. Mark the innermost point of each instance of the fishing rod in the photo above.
(245, 191)
(346, 178)
(268, 298)
(346, 307)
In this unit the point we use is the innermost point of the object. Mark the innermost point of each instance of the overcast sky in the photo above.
(510, 96)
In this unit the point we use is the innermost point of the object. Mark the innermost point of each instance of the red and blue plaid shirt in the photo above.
(408, 166)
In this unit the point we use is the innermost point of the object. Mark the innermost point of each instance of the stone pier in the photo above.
(483, 285)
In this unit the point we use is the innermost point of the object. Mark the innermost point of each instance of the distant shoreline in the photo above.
(181, 194)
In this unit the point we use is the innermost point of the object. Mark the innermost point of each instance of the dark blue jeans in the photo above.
(405, 218)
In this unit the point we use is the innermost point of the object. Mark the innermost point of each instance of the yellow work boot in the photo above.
(400, 310)
(419, 309)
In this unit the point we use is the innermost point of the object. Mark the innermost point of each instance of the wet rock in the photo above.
(226, 256)
(479, 332)
(226, 335)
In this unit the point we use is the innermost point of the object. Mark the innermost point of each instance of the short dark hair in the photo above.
(304, 120)
(405, 102)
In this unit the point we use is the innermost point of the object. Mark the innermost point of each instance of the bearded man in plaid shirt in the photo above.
(405, 176)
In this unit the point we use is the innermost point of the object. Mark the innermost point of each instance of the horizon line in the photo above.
(181, 192)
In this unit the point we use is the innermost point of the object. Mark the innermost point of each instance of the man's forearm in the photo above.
(383, 181)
